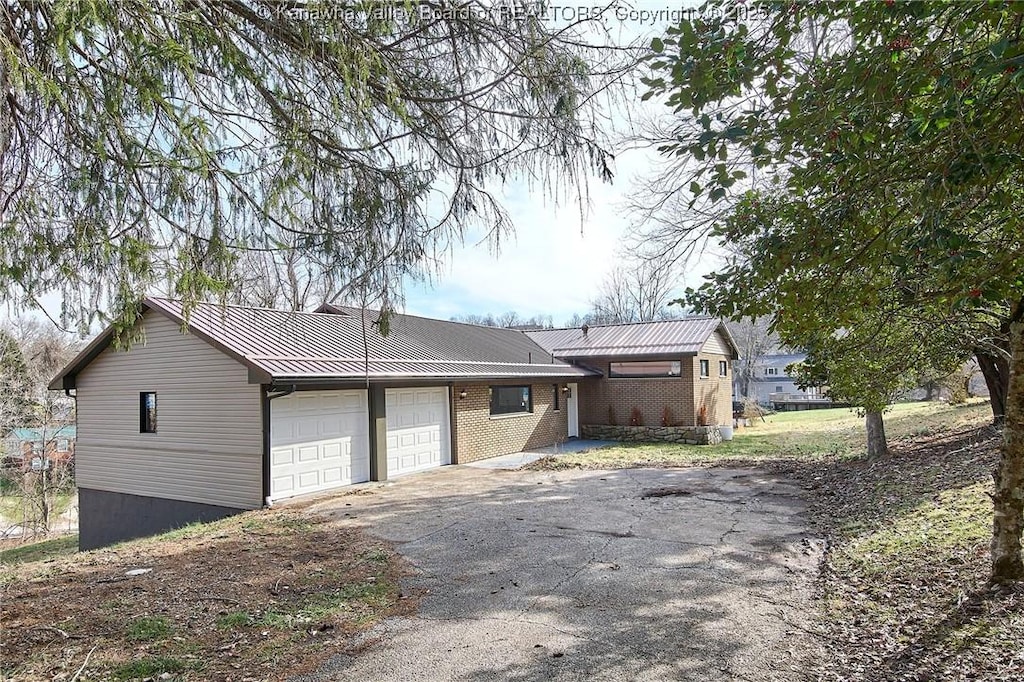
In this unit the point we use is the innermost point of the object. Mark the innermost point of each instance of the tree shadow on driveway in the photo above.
(587, 575)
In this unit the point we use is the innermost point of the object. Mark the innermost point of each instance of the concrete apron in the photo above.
(650, 574)
(520, 459)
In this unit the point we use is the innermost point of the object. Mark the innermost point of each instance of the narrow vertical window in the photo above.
(554, 400)
(147, 413)
(723, 368)
(705, 368)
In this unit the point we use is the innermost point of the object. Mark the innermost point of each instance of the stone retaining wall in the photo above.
(691, 435)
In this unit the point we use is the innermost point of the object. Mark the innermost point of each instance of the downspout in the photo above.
(267, 396)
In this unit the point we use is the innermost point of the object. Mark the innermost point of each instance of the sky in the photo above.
(552, 265)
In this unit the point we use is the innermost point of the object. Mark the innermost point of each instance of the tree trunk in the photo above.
(996, 370)
(1008, 499)
(877, 446)
(929, 388)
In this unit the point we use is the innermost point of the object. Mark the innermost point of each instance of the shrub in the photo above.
(666, 416)
(635, 418)
(752, 409)
(702, 416)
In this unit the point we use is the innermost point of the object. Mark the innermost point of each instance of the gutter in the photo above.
(266, 396)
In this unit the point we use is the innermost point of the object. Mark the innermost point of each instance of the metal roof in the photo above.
(285, 345)
(685, 336)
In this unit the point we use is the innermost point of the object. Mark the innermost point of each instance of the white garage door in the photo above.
(418, 434)
(318, 441)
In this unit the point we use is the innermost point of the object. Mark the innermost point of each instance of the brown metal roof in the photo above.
(283, 345)
(684, 336)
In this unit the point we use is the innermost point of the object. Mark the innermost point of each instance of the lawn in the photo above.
(40, 551)
(902, 593)
(786, 436)
(259, 596)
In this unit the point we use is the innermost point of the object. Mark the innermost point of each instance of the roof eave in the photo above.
(624, 356)
(344, 378)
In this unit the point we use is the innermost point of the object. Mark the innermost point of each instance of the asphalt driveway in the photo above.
(648, 574)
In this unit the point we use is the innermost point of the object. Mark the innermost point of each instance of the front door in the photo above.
(572, 406)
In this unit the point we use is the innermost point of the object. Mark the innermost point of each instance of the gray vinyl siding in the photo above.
(716, 345)
(209, 441)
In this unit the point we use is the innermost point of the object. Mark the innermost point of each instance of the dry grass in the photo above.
(259, 596)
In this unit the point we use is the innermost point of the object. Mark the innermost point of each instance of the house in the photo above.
(39, 448)
(235, 408)
(770, 383)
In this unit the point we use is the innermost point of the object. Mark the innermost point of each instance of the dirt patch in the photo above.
(259, 596)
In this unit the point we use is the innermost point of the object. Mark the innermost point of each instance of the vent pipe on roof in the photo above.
(585, 328)
(529, 357)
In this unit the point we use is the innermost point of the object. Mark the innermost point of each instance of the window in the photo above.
(147, 413)
(723, 368)
(771, 371)
(62, 445)
(555, 398)
(651, 368)
(511, 400)
(705, 368)
(37, 447)
(778, 389)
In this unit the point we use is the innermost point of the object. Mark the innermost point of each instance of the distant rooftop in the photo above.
(33, 434)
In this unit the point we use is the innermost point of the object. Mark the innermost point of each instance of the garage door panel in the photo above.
(283, 485)
(320, 442)
(282, 456)
(417, 421)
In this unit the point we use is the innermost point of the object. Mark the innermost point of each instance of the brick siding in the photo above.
(650, 395)
(478, 435)
(683, 395)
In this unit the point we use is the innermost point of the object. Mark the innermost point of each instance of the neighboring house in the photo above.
(253, 405)
(39, 448)
(771, 384)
